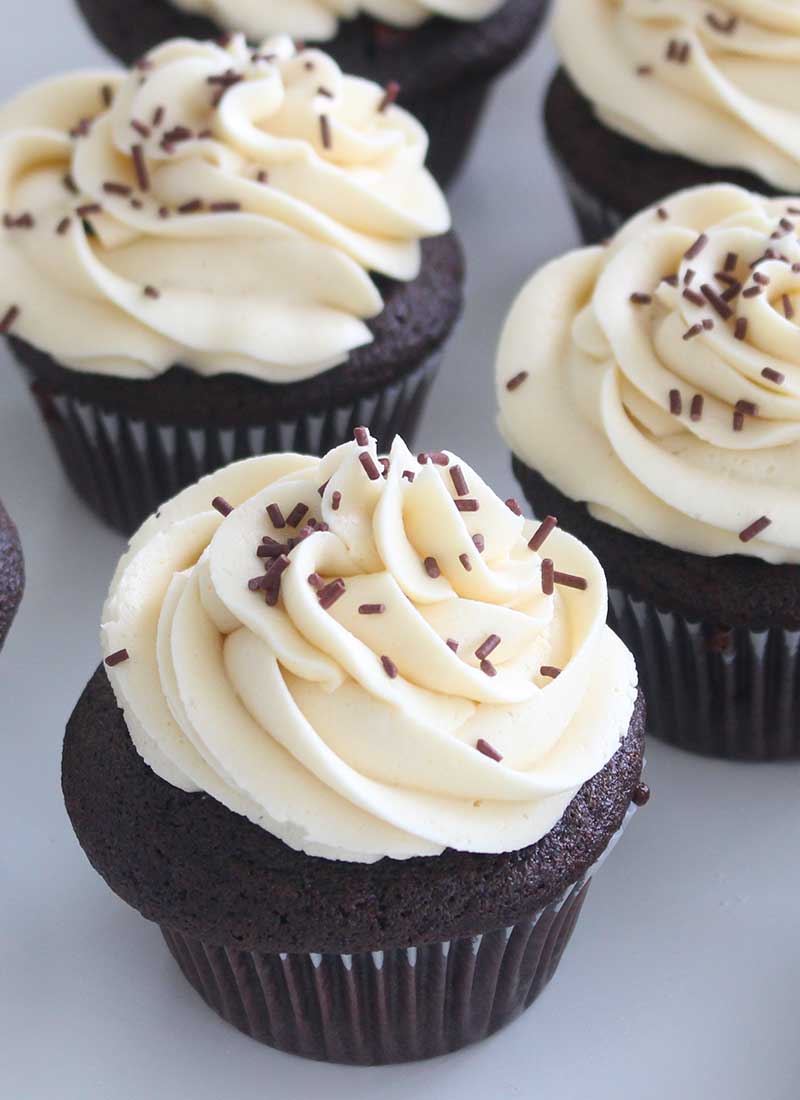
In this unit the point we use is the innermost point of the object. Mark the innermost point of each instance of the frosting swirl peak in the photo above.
(366, 657)
(665, 391)
(217, 207)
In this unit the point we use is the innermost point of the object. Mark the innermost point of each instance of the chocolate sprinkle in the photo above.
(372, 608)
(747, 407)
(459, 481)
(675, 402)
(451, 643)
(297, 514)
(152, 292)
(438, 458)
(693, 297)
(697, 247)
(513, 505)
(751, 292)
(361, 436)
(696, 410)
(545, 528)
(548, 577)
(569, 580)
(773, 376)
(550, 671)
(336, 500)
(328, 595)
(488, 750)
(389, 667)
(370, 469)
(487, 647)
(464, 559)
(117, 658)
(639, 299)
(63, 226)
(140, 167)
(515, 382)
(222, 506)
(325, 131)
(788, 308)
(467, 505)
(112, 188)
(738, 421)
(432, 568)
(488, 669)
(716, 302)
(755, 528)
(731, 260)
(640, 795)
(276, 516)
(480, 543)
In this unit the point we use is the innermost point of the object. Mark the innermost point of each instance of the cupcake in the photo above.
(12, 573)
(660, 421)
(655, 98)
(358, 748)
(441, 56)
(221, 253)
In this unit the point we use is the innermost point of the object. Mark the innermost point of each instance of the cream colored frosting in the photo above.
(292, 714)
(604, 372)
(733, 101)
(327, 187)
(318, 20)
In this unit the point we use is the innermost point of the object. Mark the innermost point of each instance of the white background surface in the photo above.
(683, 979)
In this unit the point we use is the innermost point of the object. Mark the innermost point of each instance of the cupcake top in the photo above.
(658, 379)
(715, 82)
(318, 20)
(367, 657)
(216, 207)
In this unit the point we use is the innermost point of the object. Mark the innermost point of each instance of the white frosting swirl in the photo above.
(318, 20)
(355, 735)
(314, 187)
(594, 414)
(725, 93)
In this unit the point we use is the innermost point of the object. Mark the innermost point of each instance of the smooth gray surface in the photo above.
(681, 982)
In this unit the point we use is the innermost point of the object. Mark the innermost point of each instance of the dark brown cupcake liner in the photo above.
(725, 693)
(385, 1006)
(125, 468)
(379, 1007)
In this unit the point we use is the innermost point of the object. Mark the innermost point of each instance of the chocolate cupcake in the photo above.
(660, 420)
(12, 573)
(442, 56)
(656, 98)
(219, 254)
(358, 748)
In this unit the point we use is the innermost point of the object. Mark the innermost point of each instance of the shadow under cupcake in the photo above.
(445, 67)
(219, 254)
(12, 573)
(361, 741)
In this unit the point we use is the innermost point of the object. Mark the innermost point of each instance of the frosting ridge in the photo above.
(217, 207)
(365, 657)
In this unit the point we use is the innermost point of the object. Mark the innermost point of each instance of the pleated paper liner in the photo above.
(379, 1007)
(125, 468)
(385, 1006)
(726, 693)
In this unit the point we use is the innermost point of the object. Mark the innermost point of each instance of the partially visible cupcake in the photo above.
(221, 253)
(655, 98)
(12, 573)
(361, 739)
(650, 393)
(441, 56)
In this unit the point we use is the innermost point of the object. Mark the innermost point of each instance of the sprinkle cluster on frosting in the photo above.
(367, 656)
(674, 356)
(713, 81)
(318, 20)
(219, 207)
